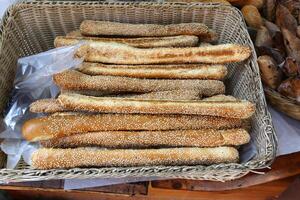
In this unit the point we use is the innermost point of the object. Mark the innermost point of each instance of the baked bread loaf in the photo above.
(189, 71)
(66, 124)
(188, 94)
(90, 157)
(98, 28)
(53, 105)
(238, 109)
(74, 80)
(117, 53)
(148, 139)
(144, 42)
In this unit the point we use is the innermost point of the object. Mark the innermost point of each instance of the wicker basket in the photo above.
(285, 104)
(30, 27)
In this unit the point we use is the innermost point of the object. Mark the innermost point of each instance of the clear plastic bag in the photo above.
(33, 81)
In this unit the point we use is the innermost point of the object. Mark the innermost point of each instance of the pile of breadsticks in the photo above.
(145, 95)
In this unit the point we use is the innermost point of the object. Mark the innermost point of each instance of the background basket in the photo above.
(30, 27)
(285, 104)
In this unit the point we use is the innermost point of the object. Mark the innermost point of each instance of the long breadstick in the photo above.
(87, 157)
(53, 105)
(190, 71)
(168, 95)
(55, 126)
(238, 109)
(147, 42)
(47, 106)
(117, 53)
(96, 28)
(146, 139)
(74, 80)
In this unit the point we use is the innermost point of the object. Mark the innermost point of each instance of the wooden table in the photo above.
(253, 186)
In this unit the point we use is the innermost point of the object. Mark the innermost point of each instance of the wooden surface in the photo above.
(283, 167)
(292, 192)
(57, 186)
(268, 191)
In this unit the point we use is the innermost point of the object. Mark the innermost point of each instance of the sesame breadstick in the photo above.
(168, 95)
(97, 28)
(53, 105)
(184, 94)
(86, 157)
(147, 139)
(145, 42)
(189, 71)
(74, 80)
(117, 53)
(56, 126)
(238, 109)
(47, 106)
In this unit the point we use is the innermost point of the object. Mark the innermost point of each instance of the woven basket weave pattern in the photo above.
(285, 104)
(31, 27)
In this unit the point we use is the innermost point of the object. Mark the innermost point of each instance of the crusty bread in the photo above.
(189, 71)
(117, 53)
(97, 28)
(96, 93)
(238, 109)
(144, 42)
(147, 139)
(74, 80)
(90, 157)
(53, 105)
(55, 126)
(188, 94)
(46, 106)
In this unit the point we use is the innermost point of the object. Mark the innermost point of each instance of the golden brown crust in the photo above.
(239, 109)
(53, 105)
(148, 139)
(56, 126)
(105, 52)
(74, 80)
(185, 71)
(46, 106)
(87, 157)
(145, 42)
(94, 93)
(96, 28)
(169, 95)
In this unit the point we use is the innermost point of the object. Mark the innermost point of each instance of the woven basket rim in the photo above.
(284, 99)
(251, 165)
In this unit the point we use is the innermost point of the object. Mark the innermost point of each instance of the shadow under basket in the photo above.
(30, 27)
